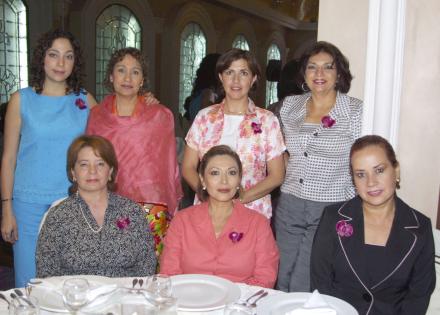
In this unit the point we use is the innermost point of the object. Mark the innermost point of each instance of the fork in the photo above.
(246, 302)
(254, 304)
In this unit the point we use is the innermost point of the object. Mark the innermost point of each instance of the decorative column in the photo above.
(384, 67)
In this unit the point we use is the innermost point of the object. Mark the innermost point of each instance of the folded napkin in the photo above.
(315, 305)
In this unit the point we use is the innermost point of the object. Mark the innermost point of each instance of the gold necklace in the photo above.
(228, 111)
(85, 219)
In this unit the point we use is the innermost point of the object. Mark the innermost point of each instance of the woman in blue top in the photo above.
(41, 122)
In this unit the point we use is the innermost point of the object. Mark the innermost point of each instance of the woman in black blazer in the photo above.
(374, 251)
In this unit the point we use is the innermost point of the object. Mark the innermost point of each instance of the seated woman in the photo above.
(94, 231)
(221, 236)
(374, 251)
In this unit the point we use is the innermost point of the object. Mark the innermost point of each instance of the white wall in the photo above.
(345, 23)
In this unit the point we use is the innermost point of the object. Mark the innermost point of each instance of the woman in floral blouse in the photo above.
(254, 133)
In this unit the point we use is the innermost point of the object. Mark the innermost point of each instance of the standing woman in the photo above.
(254, 133)
(143, 137)
(319, 127)
(41, 122)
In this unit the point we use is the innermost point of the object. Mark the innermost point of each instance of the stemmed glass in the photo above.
(75, 293)
(161, 289)
(24, 306)
(238, 309)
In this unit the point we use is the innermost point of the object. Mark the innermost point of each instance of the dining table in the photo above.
(194, 295)
(125, 296)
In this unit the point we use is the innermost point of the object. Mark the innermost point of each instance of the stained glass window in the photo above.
(240, 42)
(117, 27)
(271, 87)
(192, 51)
(13, 48)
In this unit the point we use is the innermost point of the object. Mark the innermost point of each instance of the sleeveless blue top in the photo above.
(48, 126)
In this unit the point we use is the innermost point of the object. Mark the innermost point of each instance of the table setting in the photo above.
(190, 294)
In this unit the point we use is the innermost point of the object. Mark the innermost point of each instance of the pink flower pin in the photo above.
(256, 127)
(123, 223)
(327, 121)
(80, 104)
(344, 229)
(235, 236)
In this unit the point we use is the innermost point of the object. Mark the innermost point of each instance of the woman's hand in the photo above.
(150, 99)
(9, 227)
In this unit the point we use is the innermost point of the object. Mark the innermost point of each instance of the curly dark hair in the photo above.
(225, 61)
(213, 152)
(117, 56)
(343, 82)
(37, 74)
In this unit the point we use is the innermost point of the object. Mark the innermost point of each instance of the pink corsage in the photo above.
(235, 236)
(327, 121)
(344, 229)
(80, 104)
(256, 127)
(123, 223)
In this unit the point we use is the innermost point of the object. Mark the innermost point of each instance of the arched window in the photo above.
(117, 27)
(271, 87)
(13, 48)
(192, 51)
(240, 42)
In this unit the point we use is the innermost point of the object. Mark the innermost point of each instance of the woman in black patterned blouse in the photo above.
(94, 231)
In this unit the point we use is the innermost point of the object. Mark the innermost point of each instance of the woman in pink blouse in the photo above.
(254, 133)
(220, 236)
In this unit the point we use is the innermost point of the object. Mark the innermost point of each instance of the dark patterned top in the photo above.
(68, 246)
(319, 167)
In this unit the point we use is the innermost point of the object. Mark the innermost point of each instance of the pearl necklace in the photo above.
(85, 219)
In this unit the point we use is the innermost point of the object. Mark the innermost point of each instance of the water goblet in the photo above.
(21, 305)
(75, 293)
(238, 309)
(161, 288)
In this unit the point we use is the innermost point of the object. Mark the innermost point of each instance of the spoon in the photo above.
(4, 298)
(141, 282)
(135, 281)
(23, 297)
(253, 295)
(259, 298)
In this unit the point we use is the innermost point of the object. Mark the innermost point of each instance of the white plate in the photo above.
(49, 293)
(282, 303)
(203, 292)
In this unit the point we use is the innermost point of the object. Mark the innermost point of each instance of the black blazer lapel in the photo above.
(402, 239)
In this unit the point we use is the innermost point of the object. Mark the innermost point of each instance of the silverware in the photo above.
(253, 295)
(4, 298)
(23, 297)
(141, 282)
(135, 281)
(254, 304)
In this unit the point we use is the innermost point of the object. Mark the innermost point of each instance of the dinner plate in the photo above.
(198, 293)
(283, 303)
(49, 293)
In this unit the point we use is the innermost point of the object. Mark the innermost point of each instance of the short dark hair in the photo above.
(343, 82)
(117, 56)
(374, 140)
(37, 74)
(216, 151)
(226, 59)
(102, 147)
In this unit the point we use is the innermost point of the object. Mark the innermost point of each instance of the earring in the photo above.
(204, 187)
(238, 187)
(398, 183)
(304, 87)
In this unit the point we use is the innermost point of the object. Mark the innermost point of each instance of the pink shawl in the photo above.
(145, 146)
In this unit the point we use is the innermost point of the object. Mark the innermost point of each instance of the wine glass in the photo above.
(75, 293)
(161, 289)
(238, 309)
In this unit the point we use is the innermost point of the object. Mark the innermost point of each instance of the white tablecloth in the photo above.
(246, 291)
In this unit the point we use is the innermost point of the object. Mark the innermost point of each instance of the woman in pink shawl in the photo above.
(143, 137)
